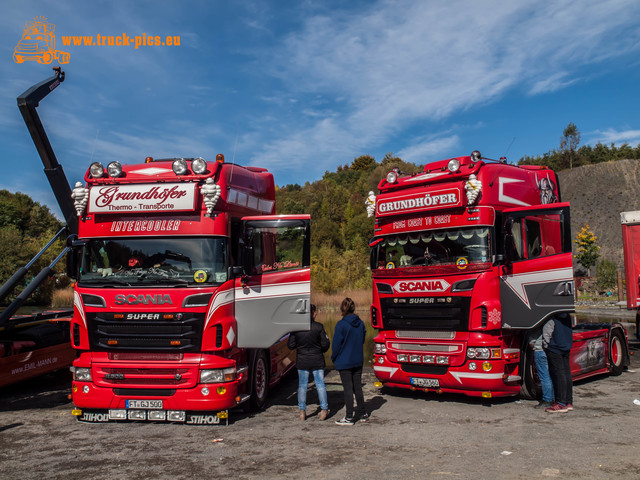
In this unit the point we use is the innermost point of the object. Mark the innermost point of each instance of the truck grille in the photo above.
(112, 332)
(160, 376)
(452, 314)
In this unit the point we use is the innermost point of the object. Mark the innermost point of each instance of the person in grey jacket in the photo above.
(542, 369)
(557, 338)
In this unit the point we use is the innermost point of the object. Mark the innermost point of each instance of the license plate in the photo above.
(425, 382)
(150, 404)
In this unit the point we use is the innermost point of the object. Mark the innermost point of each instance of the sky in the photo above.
(301, 87)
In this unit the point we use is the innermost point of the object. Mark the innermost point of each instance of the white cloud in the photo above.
(606, 137)
(402, 62)
(425, 151)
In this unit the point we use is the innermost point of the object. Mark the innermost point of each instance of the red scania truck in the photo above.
(187, 286)
(469, 259)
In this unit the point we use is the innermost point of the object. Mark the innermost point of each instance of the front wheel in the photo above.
(259, 381)
(530, 389)
(616, 353)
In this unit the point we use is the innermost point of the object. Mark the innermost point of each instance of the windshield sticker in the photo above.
(200, 276)
(221, 277)
(462, 263)
(390, 265)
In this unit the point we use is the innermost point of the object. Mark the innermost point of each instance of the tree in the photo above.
(569, 145)
(587, 249)
(607, 274)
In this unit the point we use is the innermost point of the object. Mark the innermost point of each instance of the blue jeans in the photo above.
(303, 382)
(542, 368)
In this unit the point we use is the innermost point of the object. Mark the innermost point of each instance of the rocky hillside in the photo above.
(598, 193)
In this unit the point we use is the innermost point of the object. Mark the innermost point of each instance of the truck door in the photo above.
(273, 293)
(537, 279)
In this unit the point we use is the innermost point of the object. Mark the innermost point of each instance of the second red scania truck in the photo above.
(187, 286)
(470, 257)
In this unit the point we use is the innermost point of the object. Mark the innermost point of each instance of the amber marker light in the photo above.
(148, 160)
(220, 158)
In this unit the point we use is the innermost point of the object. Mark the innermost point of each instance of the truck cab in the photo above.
(187, 288)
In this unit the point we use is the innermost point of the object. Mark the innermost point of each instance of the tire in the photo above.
(638, 324)
(617, 353)
(46, 58)
(530, 389)
(259, 381)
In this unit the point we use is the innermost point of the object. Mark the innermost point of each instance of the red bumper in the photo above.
(463, 380)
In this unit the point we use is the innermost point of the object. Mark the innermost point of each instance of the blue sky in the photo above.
(300, 87)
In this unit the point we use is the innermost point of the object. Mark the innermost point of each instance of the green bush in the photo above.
(607, 275)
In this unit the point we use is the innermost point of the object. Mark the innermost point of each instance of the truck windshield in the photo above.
(154, 261)
(459, 246)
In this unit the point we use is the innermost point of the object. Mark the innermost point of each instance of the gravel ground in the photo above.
(408, 436)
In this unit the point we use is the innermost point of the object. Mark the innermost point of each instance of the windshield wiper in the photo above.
(104, 282)
(166, 281)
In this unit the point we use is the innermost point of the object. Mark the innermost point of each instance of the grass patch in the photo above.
(62, 298)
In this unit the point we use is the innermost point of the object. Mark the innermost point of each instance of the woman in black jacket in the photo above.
(311, 346)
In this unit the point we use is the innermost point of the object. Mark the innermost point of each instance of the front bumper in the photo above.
(459, 379)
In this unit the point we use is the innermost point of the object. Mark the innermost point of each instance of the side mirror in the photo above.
(72, 264)
(236, 271)
(511, 253)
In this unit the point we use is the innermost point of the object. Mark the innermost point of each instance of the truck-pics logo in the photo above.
(38, 43)
(429, 286)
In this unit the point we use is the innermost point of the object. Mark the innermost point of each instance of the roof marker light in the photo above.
(454, 165)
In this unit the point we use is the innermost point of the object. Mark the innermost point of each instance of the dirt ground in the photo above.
(408, 436)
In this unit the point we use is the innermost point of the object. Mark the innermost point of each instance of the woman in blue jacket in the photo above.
(348, 358)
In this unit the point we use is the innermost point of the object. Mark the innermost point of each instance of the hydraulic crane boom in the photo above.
(27, 103)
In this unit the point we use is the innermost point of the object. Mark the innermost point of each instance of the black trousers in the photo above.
(560, 371)
(352, 384)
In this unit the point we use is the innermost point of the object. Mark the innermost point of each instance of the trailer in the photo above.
(630, 222)
(31, 345)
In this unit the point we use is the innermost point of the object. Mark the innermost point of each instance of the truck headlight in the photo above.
(96, 170)
(199, 165)
(380, 348)
(479, 352)
(82, 374)
(179, 166)
(114, 169)
(218, 375)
